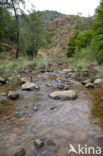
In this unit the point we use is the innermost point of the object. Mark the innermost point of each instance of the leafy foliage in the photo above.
(79, 41)
(89, 43)
(98, 30)
(84, 39)
(32, 33)
(72, 44)
(49, 16)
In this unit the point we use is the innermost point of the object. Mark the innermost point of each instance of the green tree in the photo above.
(9, 27)
(35, 31)
(15, 5)
(72, 44)
(84, 39)
(98, 30)
(79, 41)
(4, 16)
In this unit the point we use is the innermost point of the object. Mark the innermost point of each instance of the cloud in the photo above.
(66, 6)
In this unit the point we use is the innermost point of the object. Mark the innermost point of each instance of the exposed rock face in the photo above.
(60, 28)
(99, 82)
(89, 85)
(29, 86)
(64, 95)
(13, 95)
(38, 143)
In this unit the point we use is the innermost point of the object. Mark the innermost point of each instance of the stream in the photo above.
(57, 123)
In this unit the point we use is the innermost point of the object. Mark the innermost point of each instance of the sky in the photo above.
(86, 7)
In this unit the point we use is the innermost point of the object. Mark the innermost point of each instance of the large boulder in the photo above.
(99, 82)
(64, 95)
(29, 86)
(13, 95)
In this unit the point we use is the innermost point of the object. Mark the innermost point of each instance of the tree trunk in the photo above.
(18, 33)
(18, 44)
(33, 48)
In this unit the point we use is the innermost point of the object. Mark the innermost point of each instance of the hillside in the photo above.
(49, 16)
(62, 29)
(8, 43)
(59, 28)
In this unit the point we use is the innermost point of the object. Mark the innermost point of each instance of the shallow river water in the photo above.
(77, 122)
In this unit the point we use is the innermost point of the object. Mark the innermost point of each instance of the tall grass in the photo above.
(100, 74)
(9, 66)
(84, 57)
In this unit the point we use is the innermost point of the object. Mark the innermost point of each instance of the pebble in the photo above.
(38, 143)
(35, 109)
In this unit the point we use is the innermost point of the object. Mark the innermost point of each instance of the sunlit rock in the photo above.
(99, 82)
(64, 95)
(29, 86)
(89, 85)
(24, 79)
(13, 95)
(2, 80)
(38, 143)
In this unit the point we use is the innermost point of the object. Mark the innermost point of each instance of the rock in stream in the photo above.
(64, 95)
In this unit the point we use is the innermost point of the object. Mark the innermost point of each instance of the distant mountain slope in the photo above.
(49, 16)
(62, 29)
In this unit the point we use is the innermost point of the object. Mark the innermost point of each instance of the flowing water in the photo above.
(57, 123)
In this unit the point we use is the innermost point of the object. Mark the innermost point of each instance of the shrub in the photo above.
(72, 44)
(1, 48)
